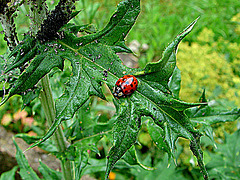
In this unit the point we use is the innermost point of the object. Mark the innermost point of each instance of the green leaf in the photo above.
(81, 162)
(30, 96)
(48, 145)
(90, 143)
(5, 80)
(2, 63)
(68, 154)
(162, 171)
(162, 70)
(224, 163)
(197, 152)
(211, 114)
(120, 24)
(94, 165)
(24, 51)
(9, 175)
(153, 98)
(131, 158)
(85, 135)
(49, 173)
(77, 130)
(93, 61)
(124, 133)
(49, 56)
(42, 60)
(208, 115)
(26, 171)
(208, 131)
(175, 82)
(40, 65)
(203, 97)
(160, 139)
(118, 27)
(87, 28)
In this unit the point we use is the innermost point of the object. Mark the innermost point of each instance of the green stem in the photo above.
(58, 137)
(196, 150)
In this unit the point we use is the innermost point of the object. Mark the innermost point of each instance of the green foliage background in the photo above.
(216, 35)
(208, 58)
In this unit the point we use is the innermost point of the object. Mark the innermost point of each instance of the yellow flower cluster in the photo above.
(204, 67)
(236, 19)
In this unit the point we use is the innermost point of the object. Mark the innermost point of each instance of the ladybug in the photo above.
(125, 86)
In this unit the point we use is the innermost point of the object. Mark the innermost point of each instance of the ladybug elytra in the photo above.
(125, 85)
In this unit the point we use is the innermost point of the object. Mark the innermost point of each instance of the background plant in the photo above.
(85, 136)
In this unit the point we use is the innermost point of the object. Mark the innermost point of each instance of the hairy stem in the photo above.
(59, 139)
(7, 21)
(196, 150)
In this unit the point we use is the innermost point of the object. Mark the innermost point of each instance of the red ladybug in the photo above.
(125, 85)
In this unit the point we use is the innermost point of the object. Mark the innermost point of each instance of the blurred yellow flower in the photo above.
(204, 67)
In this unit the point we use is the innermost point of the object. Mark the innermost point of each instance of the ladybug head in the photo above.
(117, 92)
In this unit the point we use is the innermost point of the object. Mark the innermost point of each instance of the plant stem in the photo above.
(58, 137)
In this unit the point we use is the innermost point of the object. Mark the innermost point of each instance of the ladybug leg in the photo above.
(118, 89)
(114, 89)
(115, 92)
(120, 94)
